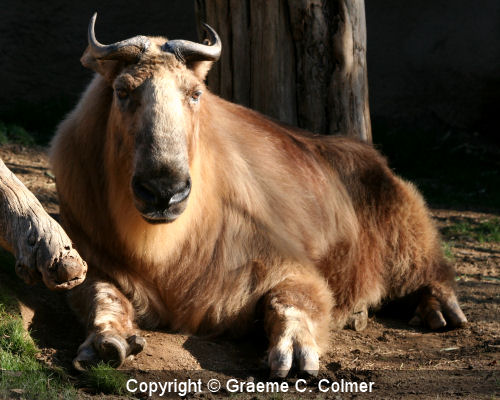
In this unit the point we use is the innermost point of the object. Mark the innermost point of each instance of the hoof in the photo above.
(308, 360)
(136, 344)
(109, 348)
(281, 358)
(454, 313)
(280, 362)
(439, 312)
(358, 321)
(435, 320)
(415, 321)
(86, 358)
(112, 349)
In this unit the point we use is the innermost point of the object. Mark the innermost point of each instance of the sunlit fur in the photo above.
(277, 217)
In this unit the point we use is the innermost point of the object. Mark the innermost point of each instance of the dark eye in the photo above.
(122, 94)
(195, 96)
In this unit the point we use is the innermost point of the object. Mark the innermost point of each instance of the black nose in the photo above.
(161, 193)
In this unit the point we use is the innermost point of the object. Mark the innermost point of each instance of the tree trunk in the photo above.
(300, 61)
(42, 249)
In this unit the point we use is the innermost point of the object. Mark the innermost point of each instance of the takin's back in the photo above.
(380, 239)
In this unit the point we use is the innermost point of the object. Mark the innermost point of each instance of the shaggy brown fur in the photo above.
(309, 229)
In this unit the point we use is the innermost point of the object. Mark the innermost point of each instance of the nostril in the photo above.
(143, 191)
(181, 195)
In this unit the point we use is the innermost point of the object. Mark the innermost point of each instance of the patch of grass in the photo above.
(21, 374)
(489, 231)
(14, 340)
(105, 379)
(18, 134)
(35, 383)
(484, 231)
(448, 253)
(40, 117)
(460, 228)
(12, 133)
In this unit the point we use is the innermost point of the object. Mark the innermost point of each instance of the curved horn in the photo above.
(191, 51)
(129, 49)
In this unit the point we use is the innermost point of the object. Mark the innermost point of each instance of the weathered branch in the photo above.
(42, 249)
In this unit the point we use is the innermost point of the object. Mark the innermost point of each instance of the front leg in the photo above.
(108, 315)
(297, 321)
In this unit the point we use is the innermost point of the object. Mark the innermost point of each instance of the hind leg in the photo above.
(297, 320)
(111, 332)
(438, 308)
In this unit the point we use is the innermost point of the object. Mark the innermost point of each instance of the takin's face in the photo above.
(157, 87)
(160, 114)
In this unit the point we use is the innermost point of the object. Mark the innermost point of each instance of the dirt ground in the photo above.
(402, 361)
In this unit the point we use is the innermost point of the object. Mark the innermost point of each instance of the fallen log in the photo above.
(42, 249)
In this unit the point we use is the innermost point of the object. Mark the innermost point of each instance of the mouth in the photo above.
(155, 217)
(158, 218)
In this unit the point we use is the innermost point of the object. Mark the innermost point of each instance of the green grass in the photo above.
(105, 379)
(448, 253)
(489, 231)
(21, 373)
(4, 139)
(14, 340)
(484, 231)
(12, 133)
(39, 118)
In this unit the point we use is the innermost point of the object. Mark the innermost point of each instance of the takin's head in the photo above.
(157, 88)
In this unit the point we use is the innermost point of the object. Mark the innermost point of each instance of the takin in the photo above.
(202, 216)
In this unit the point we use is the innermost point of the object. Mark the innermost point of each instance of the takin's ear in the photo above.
(200, 68)
(109, 69)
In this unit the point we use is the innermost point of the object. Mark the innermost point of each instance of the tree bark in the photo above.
(300, 61)
(42, 249)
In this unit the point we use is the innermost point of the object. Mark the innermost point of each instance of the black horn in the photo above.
(191, 51)
(129, 49)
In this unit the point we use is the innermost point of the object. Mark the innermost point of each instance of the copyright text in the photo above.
(192, 386)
